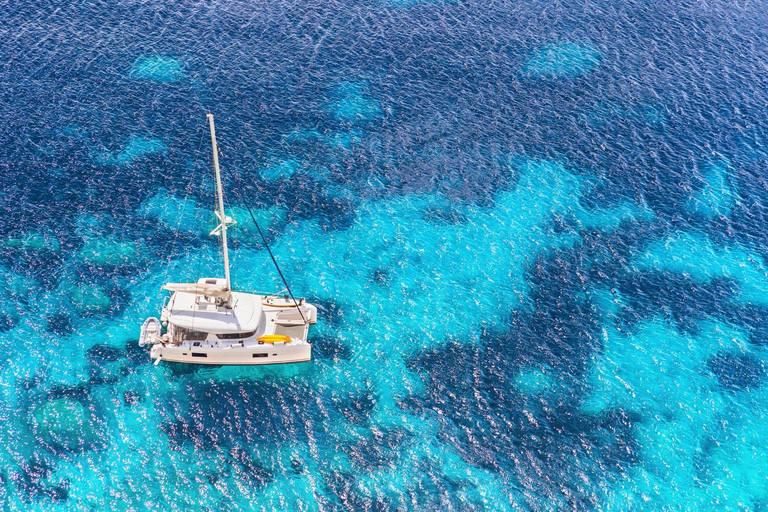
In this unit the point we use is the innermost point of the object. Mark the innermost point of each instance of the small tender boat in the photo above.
(208, 323)
(149, 331)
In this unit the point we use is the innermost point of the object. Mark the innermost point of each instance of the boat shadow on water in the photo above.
(236, 372)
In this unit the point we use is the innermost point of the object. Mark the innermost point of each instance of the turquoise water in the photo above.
(159, 68)
(562, 60)
(535, 234)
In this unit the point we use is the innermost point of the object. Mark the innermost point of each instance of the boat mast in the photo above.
(222, 218)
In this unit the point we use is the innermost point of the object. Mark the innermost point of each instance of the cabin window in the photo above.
(260, 355)
(190, 335)
(199, 354)
(235, 335)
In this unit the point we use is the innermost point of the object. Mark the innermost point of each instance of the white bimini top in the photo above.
(200, 313)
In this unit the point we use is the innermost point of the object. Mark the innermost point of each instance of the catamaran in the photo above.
(209, 323)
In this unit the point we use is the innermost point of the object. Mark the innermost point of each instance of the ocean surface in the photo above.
(535, 232)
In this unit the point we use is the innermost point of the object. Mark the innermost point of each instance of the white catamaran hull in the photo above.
(236, 355)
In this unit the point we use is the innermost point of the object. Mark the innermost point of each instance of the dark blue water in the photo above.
(536, 233)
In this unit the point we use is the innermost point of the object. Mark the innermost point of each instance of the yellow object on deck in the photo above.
(274, 338)
(284, 304)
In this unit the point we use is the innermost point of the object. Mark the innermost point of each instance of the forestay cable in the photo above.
(264, 241)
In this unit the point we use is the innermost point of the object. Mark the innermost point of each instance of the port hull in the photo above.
(241, 356)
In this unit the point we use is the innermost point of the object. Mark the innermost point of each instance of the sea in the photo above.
(535, 232)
